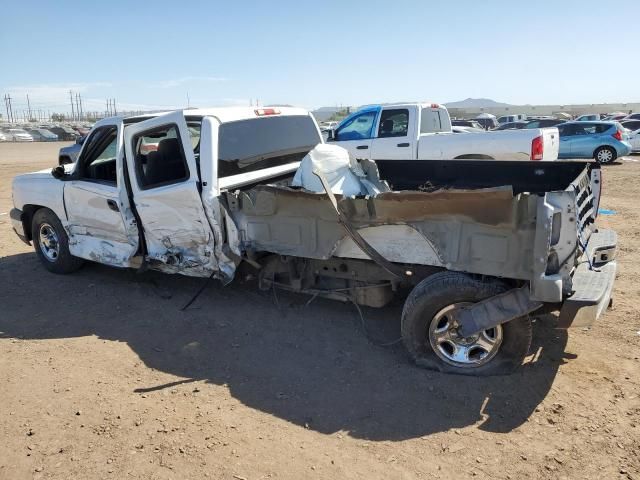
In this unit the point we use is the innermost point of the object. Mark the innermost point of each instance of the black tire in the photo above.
(62, 262)
(443, 289)
(608, 153)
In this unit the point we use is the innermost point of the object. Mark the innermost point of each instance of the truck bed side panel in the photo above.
(487, 231)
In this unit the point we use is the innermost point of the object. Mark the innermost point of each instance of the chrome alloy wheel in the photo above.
(49, 244)
(465, 352)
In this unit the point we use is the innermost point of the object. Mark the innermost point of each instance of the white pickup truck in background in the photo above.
(422, 131)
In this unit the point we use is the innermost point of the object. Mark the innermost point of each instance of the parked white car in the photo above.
(422, 131)
(18, 135)
(511, 118)
(3, 137)
(589, 117)
(324, 126)
(634, 140)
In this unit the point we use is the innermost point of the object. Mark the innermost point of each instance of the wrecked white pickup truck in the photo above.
(481, 244)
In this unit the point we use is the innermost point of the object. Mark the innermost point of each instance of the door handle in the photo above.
(362, 147)
(403, 145)
(113, 205)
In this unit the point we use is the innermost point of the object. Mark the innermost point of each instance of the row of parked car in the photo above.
(42, 133)
(597, 136)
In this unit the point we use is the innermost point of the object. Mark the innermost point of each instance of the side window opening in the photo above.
(98, 162)
(432, 122)
(394, 123)
(159, 157)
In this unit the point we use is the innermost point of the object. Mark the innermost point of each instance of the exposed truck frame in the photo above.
(480, 244)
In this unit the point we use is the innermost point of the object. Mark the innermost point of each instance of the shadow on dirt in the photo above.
(310, 365)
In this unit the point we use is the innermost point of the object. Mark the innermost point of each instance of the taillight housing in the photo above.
(537, 148)
(260, 112)
(618, 135)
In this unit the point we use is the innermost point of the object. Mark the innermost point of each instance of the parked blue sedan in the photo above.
(603, 141)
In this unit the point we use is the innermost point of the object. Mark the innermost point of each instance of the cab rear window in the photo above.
(433, 120)
(253, 144)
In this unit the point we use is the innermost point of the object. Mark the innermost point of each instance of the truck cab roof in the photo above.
(222, 114)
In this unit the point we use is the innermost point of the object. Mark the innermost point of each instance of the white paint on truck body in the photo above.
(396, 243)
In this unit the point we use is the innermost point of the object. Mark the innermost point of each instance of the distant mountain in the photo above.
(476, 103)
(328, 109)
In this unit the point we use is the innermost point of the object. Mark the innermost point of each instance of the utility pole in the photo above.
(6, 106)
(7, 101)
(29, 106)
(188, 101)
(73, 113)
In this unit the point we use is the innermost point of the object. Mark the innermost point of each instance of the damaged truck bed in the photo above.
(474, 245)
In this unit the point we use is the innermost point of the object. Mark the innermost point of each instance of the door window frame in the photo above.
(90, 151)
(138, 166)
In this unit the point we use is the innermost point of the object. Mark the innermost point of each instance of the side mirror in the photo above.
(331, 135)
(58, 172)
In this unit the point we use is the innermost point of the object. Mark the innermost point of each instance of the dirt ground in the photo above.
(102, 376)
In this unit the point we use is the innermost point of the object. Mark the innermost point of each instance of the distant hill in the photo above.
(476, 103)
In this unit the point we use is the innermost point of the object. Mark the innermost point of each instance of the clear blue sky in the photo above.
(319, 53)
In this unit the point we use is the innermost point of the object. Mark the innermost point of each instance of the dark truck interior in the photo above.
(533, 177)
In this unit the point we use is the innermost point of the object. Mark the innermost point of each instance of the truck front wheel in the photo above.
(433, 341)
(52, 244)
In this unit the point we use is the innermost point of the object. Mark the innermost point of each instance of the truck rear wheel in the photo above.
(52, 244)
(433, 341)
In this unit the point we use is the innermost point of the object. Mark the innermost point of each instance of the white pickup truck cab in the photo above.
(205, 192)
(422, 131)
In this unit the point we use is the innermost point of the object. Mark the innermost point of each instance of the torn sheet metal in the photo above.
(494, 311)
(352, 231)
(216, 214)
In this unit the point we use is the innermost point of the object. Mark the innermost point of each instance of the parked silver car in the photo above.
(70, 153)
(17, 135)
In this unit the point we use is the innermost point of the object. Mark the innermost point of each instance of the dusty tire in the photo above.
(52, 244)
(434, 295)
(605, 155)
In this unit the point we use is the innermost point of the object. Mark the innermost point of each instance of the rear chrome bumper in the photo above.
(592, 282)
(18, 226)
